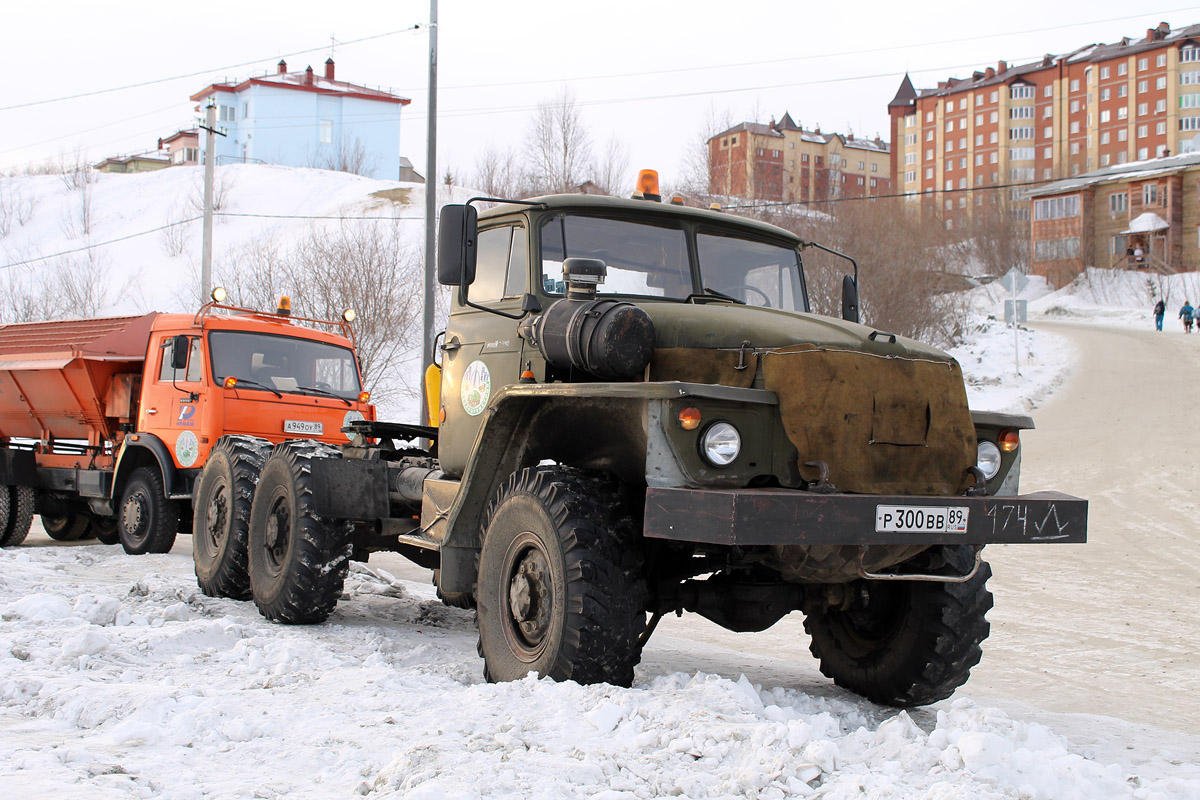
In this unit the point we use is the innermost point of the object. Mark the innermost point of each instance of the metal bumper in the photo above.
(748, 517)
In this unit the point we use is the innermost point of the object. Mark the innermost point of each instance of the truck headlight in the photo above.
(988, 459)
(721, 444)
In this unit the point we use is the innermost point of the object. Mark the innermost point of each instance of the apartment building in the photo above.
(1142, 215)
(782, 162)
(984, 140)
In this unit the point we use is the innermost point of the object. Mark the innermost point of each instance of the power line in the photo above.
(97, 244)
(200, 72)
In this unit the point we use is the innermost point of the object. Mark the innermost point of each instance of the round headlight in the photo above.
(721, 444)
(989, 459)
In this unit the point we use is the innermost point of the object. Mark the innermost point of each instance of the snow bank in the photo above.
(119, 679)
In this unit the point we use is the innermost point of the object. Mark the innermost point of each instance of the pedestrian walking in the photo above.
(1160, 308)
(1186, 313)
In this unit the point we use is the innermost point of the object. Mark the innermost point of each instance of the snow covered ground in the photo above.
(119, 679)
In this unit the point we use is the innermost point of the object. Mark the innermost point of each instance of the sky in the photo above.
(653, 75)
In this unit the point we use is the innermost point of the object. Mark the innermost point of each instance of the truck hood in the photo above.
(718, 325)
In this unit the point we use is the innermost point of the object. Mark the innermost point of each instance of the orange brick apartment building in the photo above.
(783, 162)
(985, 139)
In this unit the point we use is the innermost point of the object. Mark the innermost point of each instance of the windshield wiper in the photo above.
(325, 392)
(723, 296)
(240, 381)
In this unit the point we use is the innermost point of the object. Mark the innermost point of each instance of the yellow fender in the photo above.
(433, 393)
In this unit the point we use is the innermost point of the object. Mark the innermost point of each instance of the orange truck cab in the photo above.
(106, 424)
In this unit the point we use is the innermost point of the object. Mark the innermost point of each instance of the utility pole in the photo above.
(210, 166)
(430, 335)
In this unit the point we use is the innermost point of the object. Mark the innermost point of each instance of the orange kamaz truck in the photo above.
(106, 424)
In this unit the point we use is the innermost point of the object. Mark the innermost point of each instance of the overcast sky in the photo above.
(653, 74)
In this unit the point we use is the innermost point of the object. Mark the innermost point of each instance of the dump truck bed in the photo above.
(70, 379)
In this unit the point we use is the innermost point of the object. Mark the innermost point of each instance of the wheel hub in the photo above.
(529, 596)
(218, 513)
(132, 514)
(279, 523)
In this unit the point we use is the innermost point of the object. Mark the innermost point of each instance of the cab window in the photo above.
(192, 373)
(500, 264)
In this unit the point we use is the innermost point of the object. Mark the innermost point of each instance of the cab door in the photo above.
(174, 404)
(482, 351)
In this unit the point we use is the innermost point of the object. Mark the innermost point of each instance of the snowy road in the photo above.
(118, 679)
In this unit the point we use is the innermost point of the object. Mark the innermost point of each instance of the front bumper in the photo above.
(751, 517)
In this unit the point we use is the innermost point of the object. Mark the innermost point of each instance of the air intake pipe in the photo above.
(609, 339)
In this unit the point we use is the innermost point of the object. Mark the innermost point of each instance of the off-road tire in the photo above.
(561, 587)
(68, 528)
(19, 500)
(298, 561)
(452, 599)
(20, 515)
(221, 519)
(905, 643)
(146, 519)
(105, 529)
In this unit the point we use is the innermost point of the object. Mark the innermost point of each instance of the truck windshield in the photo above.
(651, 260)
(284, 363)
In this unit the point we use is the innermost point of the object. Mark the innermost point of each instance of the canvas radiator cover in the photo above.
(885, 424)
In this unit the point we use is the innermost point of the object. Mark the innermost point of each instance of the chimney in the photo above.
(1150, 34)
(281, 67)
(1001, 66)
(989, 73)
(1164, 28)
(329, 69)
(308, 76)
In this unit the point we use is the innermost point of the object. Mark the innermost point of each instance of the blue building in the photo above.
(302, 120)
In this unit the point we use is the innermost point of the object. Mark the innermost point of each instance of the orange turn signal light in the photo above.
(689, 418)
(285, 306)
(364, 397)
(230, 382)
(1008, 441)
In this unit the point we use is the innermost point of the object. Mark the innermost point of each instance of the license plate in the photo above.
(300, 426)
(921, 519)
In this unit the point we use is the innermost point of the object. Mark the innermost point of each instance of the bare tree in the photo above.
(349, 155)
(558, 147)
(611, 171)
(999, 239)
(67, 287)
(15, 206)
(695, 167)
(498, 173)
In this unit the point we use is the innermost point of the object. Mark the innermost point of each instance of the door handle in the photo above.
(451, 345)
(151, 410)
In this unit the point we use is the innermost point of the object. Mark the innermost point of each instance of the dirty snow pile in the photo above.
(119, 679)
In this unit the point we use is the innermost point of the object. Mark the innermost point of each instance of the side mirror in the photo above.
(180, 345)
(849, 299)
(456, 245)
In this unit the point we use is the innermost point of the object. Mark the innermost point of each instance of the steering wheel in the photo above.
(765, 297)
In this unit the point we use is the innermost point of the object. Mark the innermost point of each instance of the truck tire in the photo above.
(20, 515)
(452, 599)
(105, 529)
(560, 587)
(147, 520)
(68, 528)
(221, 521)
(298, 561)
(905, 643)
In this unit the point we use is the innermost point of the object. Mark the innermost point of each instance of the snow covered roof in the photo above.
(1132, 171)
(1147, 223)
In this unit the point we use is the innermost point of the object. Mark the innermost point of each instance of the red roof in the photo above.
(298, 81)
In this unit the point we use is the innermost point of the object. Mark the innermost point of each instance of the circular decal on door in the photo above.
(351, 416)
(476, 388)
(187, 448)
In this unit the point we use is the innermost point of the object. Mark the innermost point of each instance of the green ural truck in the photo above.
(639, 414)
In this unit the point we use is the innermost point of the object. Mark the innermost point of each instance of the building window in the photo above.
(1104, 95)
(1117, 245)
(1021, 154)
(1160, 82)
(1075, 126)
(1143, 131)
(1021, 174)
(910, 158)
(1104, 116)
(1122, 68)
(1143, 64)
(1122, 91)
(949, 125)
(994, 96)
(1048, 132)
(804, 158)
(1118, 202)
(1047, 152)
(760, 151)
(1056, 249)
(993, 137)
(910, 176)
(1190, 78)
(1056, 207)
(1104, 138)
(1122, 112)
(1122, 135)
(949, 105)
(1160, 128)
(1075, 85)
(1074, 148)
(979, 140)
(929, 116)
(993, 157)
(962, 123)
(1048, 91)
(1150, 194)
(950, 165)
(929, 136)
(1189, 53)
(979, 119)
(1161, 60)
(949, 185)
(1160, 106)
(994, 117)
(1020, 92)
(949, 146)
(1020, 112)
(1046, 173)
(979, 159)
(929, 154)
(1020, 133)
(1103, 73)
(1143, 153)
(325, 132)
(910, 139)
(979, 99)
(928, 173)
(875, 168)
(1143, 109)
(1189, 100)
(962, 143)
(1189, 123)
(1143, 87)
